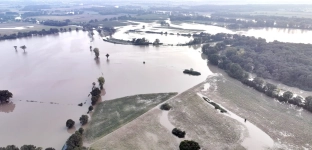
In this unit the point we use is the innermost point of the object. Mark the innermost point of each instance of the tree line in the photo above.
(232, 61)
(35, 33)
(250, 21)
(24, 147)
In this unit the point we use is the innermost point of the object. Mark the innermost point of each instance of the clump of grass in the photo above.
(165, 106)
(215, 105)
(218, 107)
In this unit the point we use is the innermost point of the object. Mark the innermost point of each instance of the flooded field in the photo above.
(55, 74)
(270, 34)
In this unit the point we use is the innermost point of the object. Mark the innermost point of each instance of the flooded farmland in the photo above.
(55, 73)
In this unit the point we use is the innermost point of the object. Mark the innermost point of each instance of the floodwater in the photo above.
(56, 72)
(270, 34)
(166, 39)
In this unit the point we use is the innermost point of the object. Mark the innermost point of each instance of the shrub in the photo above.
(177, 132)
(84, 119)
(81, 130)
(165, 106)
(189, 145)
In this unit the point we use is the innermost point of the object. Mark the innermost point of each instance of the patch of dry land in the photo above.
(270, 124)
(152, 130)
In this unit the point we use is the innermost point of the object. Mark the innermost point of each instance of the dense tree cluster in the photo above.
(248, 53)
(189, 145)
(5, 96)
(179, 133)
(288, 63)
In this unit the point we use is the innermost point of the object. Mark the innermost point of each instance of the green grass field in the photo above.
(111, 115)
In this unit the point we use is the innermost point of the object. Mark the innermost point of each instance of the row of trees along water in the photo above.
(239, 54)
(75, 140)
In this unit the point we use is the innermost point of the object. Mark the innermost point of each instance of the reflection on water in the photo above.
(71, 130)
(97, 61)
(7, 107)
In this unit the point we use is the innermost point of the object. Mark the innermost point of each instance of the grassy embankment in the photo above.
(189, 112)
(111, 115)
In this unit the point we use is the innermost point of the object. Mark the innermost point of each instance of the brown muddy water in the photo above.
(55, 74)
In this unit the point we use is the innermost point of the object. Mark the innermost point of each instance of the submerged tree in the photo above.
(23, 47)
(90, 108)
(101, 81)
(90, 48)
(95, 92)
(96, 52)
(70, 123)
(5, 96)
(83, 119)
